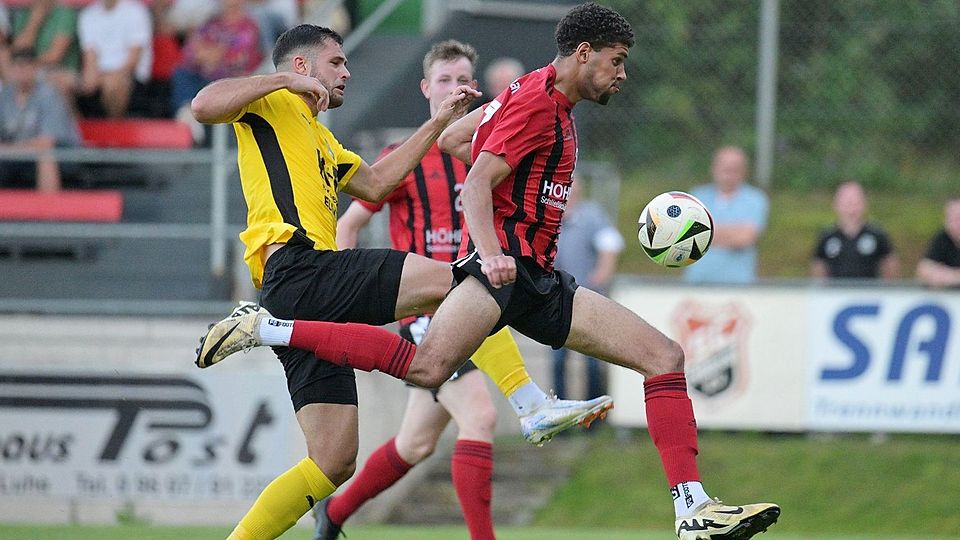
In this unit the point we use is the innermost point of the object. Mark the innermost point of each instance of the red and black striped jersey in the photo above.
(425, 209)
(530, 125)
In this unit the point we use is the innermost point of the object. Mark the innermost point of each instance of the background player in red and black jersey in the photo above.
(426, 218)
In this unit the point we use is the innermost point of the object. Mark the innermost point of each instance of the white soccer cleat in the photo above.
(240, 331)
(717, 521)
(556, 415)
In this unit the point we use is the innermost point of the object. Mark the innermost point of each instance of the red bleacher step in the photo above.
(135, 133)
(70, 205)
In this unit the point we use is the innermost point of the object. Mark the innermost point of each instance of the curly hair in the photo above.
(445, 51)
(304, 35)
(595, 24)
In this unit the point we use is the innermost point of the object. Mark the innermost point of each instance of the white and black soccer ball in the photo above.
(675, 229)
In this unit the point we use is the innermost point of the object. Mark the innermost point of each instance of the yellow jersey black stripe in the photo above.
(291, 168)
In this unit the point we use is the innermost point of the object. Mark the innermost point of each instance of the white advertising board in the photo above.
(744, 355)
(885, 362)
(205, 436)
(806, 358)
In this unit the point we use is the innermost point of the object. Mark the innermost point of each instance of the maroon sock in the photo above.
(382, 470)
(358, 346)
(472, 472)
(672, 426)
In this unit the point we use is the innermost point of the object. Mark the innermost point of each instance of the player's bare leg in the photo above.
(424, 283)
(460, 325)
(458, 328)
(424, 420)
(608, 331)
(332, 434)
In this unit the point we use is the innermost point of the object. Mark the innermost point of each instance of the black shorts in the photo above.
(413, 332)
(353, 285)
(539, 304)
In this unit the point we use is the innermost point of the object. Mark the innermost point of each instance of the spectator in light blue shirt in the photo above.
(739, 215)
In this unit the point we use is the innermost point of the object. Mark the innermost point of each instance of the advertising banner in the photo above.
(210, 436)
(886, 362)
(806, 358)
(745, 356)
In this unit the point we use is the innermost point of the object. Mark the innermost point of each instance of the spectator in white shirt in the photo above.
(116, 39)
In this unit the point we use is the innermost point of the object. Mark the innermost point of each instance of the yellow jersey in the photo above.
(291, 167)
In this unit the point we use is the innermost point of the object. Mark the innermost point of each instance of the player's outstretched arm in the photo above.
(457, 139)
(486, 173)
(221, 101)
(374, 182)
(350, 224)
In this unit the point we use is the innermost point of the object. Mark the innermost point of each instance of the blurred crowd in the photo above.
(70, 59)
(145, 58)
(853, 248)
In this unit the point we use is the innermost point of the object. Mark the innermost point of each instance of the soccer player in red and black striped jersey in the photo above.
(426, 218)
(523, 150)
(522, 146)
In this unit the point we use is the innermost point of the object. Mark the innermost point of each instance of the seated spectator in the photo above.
(940, 266)
(166, 44)
(116, 38)
(228, 45)
(853, 248)
(33, 117)
(51, 30)
(152, 100)
(739, 216)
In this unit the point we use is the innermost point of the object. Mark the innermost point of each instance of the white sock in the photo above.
(688, 496)
(275, 332)
(527, 398)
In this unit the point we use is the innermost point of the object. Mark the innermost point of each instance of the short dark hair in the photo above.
(304, 35)
(446, 51)
(595, 24)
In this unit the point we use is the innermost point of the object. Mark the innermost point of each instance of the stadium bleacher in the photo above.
(135, 133)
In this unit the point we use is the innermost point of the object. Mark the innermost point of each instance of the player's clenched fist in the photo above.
(500, 270)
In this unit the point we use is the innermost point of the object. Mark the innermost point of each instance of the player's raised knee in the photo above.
(436, 375)
(418, 450)
(667, 358)
(427, 375)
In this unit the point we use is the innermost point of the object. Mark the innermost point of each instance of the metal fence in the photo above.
(861, 88)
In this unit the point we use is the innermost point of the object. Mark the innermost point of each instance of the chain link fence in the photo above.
(864, 88)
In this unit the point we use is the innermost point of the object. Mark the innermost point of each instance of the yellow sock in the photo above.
(283, 502)
(499, 357)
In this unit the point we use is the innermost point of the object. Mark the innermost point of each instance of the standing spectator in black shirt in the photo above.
(853, 248)
(940, 267)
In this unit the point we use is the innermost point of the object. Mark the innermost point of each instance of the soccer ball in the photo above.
(675, 229)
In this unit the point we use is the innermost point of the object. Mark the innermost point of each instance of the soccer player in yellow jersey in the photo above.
(291, 169)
